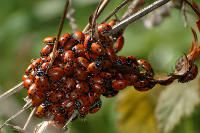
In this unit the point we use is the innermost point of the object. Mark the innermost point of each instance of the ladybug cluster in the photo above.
(85, 68)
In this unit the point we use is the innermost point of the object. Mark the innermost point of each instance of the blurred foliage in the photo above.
(25, 23)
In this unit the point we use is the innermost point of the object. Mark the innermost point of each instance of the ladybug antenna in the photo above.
(59, 31)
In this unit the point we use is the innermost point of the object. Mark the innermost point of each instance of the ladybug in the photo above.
(69, 68)
(55, 73)
(24, 77)
(69, 44)
(75, 94)
(83, 111)
(45, 66)
(190, 75)
(49, 40)
(144, 64)
(32, 91)
(98, 88)
(103, 28)
(38, 99)
(55, 96)
(119, 44)
(41, 110)
(63, 39)
(79, 50)
(84, 100)
(60, 118)
(80, 74)
(28, 83)
(105, 75)
(119, 84)
(83, 61)
(111, 23)
(32, 75)
(37, 62)
(121, 60)
(94, 67)
(41, 82)
(68, 56)
(97, 49)
(46, 50)
(82, 87)
(96, 107)
(68, 105)
(111, 53)
(29, 69)
(79, 36)
(93, 96)
(70, 84)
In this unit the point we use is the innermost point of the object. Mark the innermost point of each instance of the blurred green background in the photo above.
(23, 25)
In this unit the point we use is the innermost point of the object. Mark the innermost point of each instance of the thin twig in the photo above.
(94, 22)
(29, 119)
(16, 128)
(133, 8)
(70, 16)
(12, 91)
(71, 118)
(26, 106)
(101, 8)
(123, 24)
(59, 31)
(116, 10)
(184, 13)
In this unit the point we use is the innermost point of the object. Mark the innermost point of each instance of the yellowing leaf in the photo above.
(176, 101)
(136, 111)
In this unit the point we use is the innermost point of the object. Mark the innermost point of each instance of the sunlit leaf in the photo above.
(136, 111)
(175, 102)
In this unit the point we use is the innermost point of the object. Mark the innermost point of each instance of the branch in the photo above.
(123, 24)
(101, 8)
(116, 10)
(12, 91)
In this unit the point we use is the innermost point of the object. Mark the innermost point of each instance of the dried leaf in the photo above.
(136, 112)
(175, 102)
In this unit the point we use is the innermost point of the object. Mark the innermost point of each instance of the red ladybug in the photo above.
(49, 40)
(105, 75)
(24, 77)
(80, 74)
(41, 82)
(93, 96)
(112, 23)
(98, 88)
(69, 44)
(84, 111)
(111, 53)
(69, 68)
(32, 91)
(96, 107)
(78, 35)
(55, 96)
(75, 94)
(83, 61)
(46, 50)
(60, 118)
(68, 56)
(84, 100)
(29, 69)
(94, 67)
(97, 49)
(144, 64)
(82, 87)
(70, 84)
(119, 44)
(63, 39)
(38, 99)
(119, 84)
(68, 105)
(55, 73)
(102, 28)
(79, 50)
(37, 62)
(28, 83)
